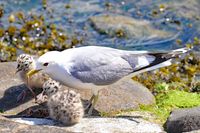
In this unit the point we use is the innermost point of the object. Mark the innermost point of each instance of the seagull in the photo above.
(95, 67)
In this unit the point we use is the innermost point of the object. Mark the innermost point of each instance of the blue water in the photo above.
(75, 19)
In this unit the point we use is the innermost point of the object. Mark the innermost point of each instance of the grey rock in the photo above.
(183, 120)
(130, 27)
(91, 125)
(194, 131)
(184, 8)
(124, 95)
(8, 126)
(120, 96)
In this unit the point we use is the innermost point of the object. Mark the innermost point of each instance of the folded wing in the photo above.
(106, 66)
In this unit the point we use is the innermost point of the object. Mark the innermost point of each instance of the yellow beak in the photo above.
(32, 72)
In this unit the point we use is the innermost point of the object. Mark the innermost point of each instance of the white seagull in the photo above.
(94, 67)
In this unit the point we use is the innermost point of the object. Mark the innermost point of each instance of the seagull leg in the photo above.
(90, 102)
(93, 104)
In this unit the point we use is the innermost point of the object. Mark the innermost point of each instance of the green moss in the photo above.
(176, 98)
(161, 87)
(67, 6)
(166, 102)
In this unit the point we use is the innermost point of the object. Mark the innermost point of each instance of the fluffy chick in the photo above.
(64, 106)
(25, 63)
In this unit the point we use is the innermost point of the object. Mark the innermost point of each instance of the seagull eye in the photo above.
(46, 64)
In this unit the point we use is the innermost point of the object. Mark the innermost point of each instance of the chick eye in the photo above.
(46, 64)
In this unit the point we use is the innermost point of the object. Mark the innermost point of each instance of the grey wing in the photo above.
(105, 70)
(100, 73)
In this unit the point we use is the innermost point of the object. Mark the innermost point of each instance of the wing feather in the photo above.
(105, 66)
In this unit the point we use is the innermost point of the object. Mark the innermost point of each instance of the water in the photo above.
(176, 18)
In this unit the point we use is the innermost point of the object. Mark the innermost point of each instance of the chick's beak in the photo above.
(43, 93)
(18, 70)
(32, 72)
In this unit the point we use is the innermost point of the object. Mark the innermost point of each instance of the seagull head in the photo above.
(45, 63)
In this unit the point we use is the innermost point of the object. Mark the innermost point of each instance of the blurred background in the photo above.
(37, 26)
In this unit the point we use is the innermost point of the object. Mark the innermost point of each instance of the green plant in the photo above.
(166, 102)
(161, 87)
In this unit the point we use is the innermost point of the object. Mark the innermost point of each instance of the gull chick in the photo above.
(64, 106)
(26, 63)
(95, 67)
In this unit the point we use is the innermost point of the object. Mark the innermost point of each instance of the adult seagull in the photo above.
(94, 67)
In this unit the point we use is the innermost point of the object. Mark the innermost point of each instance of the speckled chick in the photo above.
(63, 105)
(25, 63)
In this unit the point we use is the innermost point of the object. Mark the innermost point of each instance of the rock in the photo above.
(194, 131)
(120, 96)
(8, 126)
(184, 8)
(117, 25)
(124, 95)
(91, 124)
(85, 7)
(183, 120)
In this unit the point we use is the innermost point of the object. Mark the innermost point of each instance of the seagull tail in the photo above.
(176, 53)
(161, 60)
